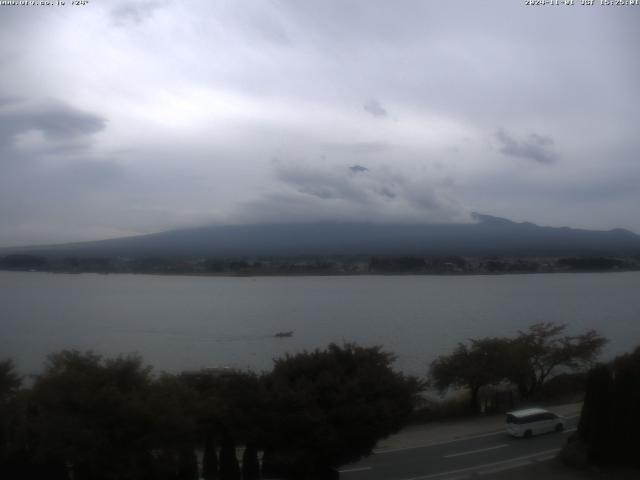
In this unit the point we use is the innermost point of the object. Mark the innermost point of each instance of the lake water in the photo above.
(180, 323)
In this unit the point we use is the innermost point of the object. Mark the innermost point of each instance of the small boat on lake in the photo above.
(284, 334)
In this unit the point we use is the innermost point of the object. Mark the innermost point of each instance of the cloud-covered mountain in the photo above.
(263, 112)
(487, 236)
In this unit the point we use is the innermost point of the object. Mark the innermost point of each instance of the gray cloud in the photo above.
(199, 97)
(308, 193)
(133, 13)
(55, 121)
(52, 179)
(358, 169)
(325, 185)
(8, 100)
(538, 148)
(385, 192)
(45, 201)
(89, 174)
(374, 108)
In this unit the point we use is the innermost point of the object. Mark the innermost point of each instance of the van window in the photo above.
(537, 417)
(512, 419)
(532, 418)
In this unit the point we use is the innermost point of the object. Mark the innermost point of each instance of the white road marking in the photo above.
(444, 442)
(522, 463)
(469, 452)
(360, 469)
(511, 462)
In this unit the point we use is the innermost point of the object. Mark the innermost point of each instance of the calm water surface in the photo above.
(191, 322)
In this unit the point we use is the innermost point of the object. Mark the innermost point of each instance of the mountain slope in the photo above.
(488, 236)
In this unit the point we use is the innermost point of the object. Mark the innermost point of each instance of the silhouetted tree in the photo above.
(232, 409)
(229, 467)
(209, 459)
(594, 427)
(10, 381)
(610, 419)
(166, 465)
(250, 463)
(173, 406)
(537, 353)
(93, 413)
(626, 408)
(330, 407)
(472, 366)
(10, 449)
(187, 464)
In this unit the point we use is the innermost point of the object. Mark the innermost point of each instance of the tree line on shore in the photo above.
(317, 265)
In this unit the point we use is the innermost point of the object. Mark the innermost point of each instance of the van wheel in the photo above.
(559, 427)
(527, 434)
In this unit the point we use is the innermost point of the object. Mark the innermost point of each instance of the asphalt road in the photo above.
(483, 454)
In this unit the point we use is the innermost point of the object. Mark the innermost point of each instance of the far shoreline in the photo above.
(313, 274)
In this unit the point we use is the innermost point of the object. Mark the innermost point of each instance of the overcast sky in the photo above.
(129, 117)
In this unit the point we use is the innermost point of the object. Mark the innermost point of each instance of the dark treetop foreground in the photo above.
(93, 418)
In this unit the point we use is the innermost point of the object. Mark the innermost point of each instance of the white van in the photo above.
(533, 421)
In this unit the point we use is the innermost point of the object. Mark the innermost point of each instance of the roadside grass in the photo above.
(434, 409)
